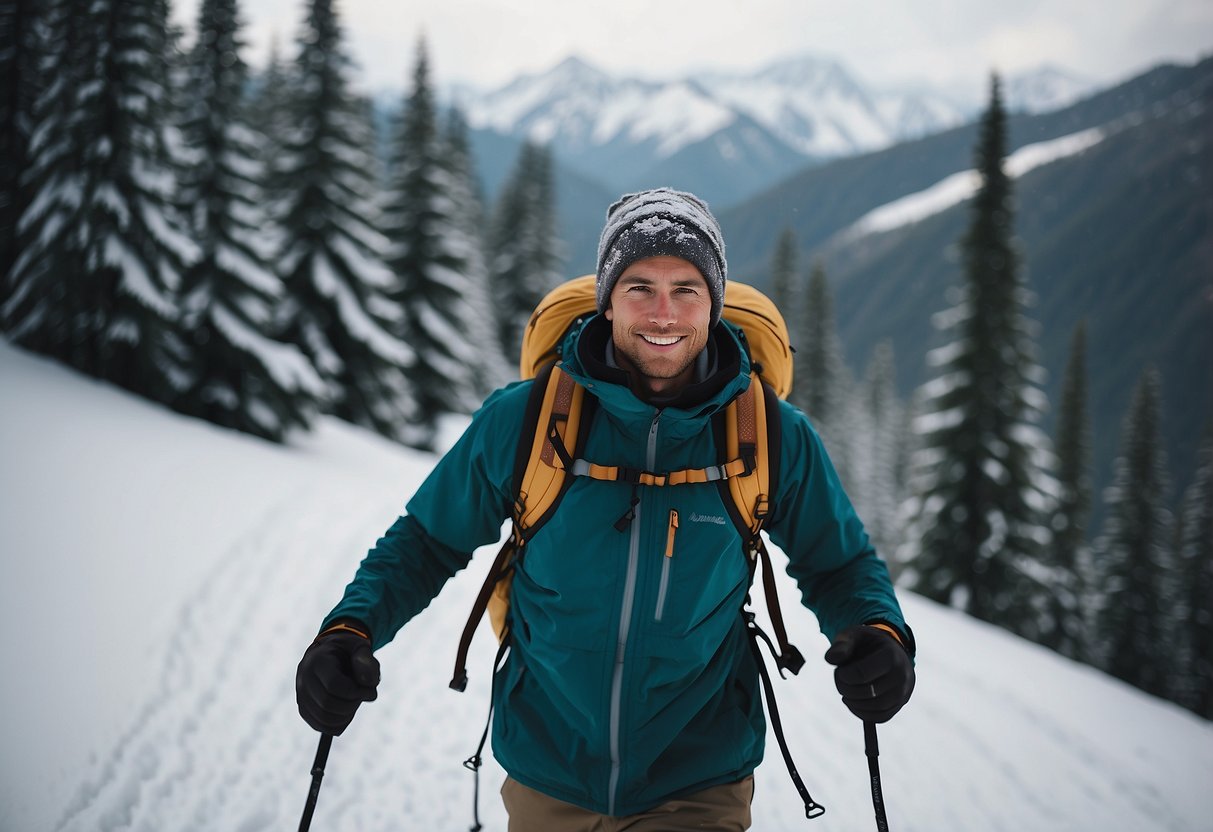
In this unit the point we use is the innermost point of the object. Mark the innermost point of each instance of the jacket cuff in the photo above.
(904, 637)
(347, 625)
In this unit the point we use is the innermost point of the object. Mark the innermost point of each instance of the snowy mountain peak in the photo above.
(577, 107)
(1045, 88)
(808, 71)
(575, 70)
(811, 104)
(622, 131)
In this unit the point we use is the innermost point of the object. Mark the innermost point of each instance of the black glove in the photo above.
(336, 675)
(873, 672)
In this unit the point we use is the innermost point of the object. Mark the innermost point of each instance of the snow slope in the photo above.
(161, 577)
(961, 186)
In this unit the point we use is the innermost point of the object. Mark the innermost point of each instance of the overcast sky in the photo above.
(953, 43)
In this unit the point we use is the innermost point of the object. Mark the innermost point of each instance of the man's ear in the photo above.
(608, 313)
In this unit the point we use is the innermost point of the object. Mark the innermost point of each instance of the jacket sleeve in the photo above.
(841, 578)
(458, 508)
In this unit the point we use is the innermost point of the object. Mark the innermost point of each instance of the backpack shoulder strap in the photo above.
(751, 428)
(558, 410)
(540, 477)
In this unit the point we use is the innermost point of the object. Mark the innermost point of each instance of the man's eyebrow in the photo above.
(638, 280)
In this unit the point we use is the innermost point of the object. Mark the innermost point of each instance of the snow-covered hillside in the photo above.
(160, 578)
(961, 186)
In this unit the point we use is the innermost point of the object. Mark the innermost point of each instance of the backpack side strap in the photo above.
(566, 411)
(752, 425)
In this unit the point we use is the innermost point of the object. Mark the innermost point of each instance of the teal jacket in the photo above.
(630, 680)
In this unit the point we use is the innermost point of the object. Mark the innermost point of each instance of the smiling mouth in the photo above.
(662, 341)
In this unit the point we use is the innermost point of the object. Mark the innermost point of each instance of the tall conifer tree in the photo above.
(22, 47)
(103, 244)
(877, 484)
(270, 115)
(983, 492)
(1196, 572)
(783, 280)
(821, 374)
(241, 377)
(823, 385)
(1134, 555)
(523, 245)
(427, 255)
(491, 369)
(331, 259)
(1070, 556)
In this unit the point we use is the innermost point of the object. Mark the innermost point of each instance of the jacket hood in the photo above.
(585, 350)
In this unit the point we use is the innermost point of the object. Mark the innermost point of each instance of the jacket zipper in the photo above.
(625, 623)
(671, 531)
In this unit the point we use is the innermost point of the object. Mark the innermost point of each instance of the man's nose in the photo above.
(663, 313)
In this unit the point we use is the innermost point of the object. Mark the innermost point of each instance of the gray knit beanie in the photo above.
(656, 222)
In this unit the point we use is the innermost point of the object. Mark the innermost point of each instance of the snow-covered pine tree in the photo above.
(427, 254)
(270, 114)
(877, 487)
(103, 246)
(1070, 555)
(331, 260)
(983, 492)
(783, 281)
(523, 245)
(491, 370)
(38, 310)
(1135, 555)
(1196, 572)
(823, 386)
(544, 246)
(21, 52)
(241, 376)
(819, 361)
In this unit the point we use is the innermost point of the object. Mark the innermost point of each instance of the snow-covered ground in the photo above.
(160, 578)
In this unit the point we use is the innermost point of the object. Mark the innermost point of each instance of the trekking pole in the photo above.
(322, 756)
(872, 749)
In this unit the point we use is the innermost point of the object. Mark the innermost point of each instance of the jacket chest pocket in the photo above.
(700, 579)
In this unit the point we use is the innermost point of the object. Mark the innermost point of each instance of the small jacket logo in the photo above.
(708, 518)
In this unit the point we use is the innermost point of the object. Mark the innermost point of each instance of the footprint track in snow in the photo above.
(227, 669)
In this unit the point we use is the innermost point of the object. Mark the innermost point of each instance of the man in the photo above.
(630, 697)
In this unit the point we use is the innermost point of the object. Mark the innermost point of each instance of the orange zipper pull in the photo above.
(669, 540)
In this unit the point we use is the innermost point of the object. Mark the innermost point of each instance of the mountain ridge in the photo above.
(619, 130)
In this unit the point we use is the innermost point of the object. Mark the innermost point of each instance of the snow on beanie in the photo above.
(656, 222)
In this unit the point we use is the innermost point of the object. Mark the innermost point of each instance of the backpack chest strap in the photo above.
(742, 423)
(616, 473)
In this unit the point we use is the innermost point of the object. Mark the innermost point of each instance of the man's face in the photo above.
(660, 312)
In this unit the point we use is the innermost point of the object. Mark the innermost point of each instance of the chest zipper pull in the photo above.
(664, 586)
(621, 525)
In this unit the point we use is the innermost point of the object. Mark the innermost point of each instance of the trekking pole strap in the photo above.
(872, 749)
(474, 762)
(812, 809)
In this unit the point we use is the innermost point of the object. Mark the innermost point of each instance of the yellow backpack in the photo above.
(560, 411)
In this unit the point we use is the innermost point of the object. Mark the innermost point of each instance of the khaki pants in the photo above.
(724, 808)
